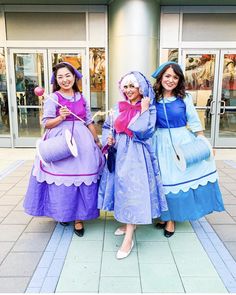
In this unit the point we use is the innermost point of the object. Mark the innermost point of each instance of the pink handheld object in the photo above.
(39, 91)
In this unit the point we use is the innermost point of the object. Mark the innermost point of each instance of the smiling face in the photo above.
(169, 81)
(132, 93)
(65, 79)
(130, 88)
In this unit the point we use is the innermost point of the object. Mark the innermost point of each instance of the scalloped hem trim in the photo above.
(178, 189)
(66, 182)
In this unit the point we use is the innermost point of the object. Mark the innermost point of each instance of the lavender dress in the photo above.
(66, 190)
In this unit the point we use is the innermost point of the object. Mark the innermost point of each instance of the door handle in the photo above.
(222, 104)
(212, 107)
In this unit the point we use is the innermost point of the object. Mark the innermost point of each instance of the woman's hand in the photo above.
(110, 140)
(145, 102)
(64, 112)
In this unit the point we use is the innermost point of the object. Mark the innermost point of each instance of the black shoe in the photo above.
(168, 234)
(160, 225)
(79, 232)
(64, 223)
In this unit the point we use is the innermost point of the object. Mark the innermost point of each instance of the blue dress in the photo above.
(195, 192)
(134, 190)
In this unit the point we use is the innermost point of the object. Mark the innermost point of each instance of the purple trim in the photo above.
(190, 180)
(55, 174)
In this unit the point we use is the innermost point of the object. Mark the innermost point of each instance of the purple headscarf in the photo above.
(78, 75)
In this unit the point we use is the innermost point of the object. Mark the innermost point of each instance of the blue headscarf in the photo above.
(161, 67)
(144, 85)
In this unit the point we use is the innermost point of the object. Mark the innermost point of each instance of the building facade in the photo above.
(104, 40)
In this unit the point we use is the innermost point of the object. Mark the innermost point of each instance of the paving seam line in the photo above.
(13, 166)
(49, 268)
(219, 255)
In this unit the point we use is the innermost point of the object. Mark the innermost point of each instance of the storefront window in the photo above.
(4, 111)
(97, 85)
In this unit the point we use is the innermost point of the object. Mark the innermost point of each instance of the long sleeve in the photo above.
(192, 116)
(143, 126)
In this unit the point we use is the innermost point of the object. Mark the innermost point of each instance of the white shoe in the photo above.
(120, 232)
(122, 254)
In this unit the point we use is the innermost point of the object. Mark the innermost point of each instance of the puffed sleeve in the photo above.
(108, 126)
(49, 108)
(143, 126)
(89, 118)
(192, 116)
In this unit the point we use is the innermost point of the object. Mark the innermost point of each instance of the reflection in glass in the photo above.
(74, 59)
(169, 55)
(199, 77)
(227, 126)
(29, 73)
(4, 111)
(97, 72)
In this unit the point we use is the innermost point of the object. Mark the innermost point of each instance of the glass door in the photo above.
(226, 103)
(201, 74)
(28, 68)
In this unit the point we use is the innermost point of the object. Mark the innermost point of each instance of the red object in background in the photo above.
(39, 91)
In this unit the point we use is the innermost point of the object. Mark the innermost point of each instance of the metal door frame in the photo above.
(214, 103)
(22, 141)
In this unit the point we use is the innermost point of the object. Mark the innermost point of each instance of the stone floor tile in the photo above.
(231, 246)
(229, 199)
(231, 209)
(112, 242)
(9, 233)
(154, 252)
(49, 285)
(120, 285)
(226, 232)
(17, 217)
(160, 278)
(183, 227)
(19, 207)
(32, 242)
(149, 233)
(16, 191)
(124, 267)
(220, 218)
(79, 277)
(85, 251)
(203, 285)
(111, 224)
(5, 210)
(10, 200)
(187, 241)
(5, 248)
(14, 284)
(19, 264)
(194, 265)
(6, 186)
(11, 179)
(38, 278)
(40, 225)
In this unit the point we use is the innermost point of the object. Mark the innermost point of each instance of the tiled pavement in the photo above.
(37, 255)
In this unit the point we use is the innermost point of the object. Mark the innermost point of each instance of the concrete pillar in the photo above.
(133, 40)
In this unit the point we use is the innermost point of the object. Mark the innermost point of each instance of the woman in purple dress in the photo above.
(66, 190)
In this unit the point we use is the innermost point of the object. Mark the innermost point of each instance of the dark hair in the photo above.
(55, 69)
(179, 91)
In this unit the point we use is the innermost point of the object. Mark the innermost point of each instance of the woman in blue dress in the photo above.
(133, 190)
(194, 192)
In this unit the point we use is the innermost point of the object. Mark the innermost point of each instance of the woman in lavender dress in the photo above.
(133, 190)
(66, 190)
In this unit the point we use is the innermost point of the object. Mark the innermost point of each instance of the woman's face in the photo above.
(169, 80)
(65, 79)
(132, 93)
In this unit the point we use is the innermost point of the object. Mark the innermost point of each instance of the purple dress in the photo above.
(66, 190)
